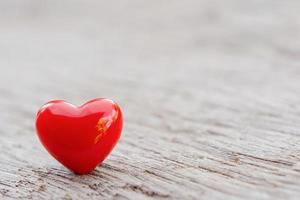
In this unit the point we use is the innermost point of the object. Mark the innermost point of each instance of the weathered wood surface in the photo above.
(210, 92)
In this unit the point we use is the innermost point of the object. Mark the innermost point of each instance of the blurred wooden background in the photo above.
(210, 92)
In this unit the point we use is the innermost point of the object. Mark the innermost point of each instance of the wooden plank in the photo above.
(210, 93)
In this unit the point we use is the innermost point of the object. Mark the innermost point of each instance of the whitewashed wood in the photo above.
(210, 93)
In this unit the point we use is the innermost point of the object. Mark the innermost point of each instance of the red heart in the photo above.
(79, 137)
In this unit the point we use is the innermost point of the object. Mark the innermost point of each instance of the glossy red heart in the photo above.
(79, 137)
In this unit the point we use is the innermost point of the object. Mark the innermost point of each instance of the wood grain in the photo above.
(209, 89)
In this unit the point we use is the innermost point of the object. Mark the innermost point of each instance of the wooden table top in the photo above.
(210, 92)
